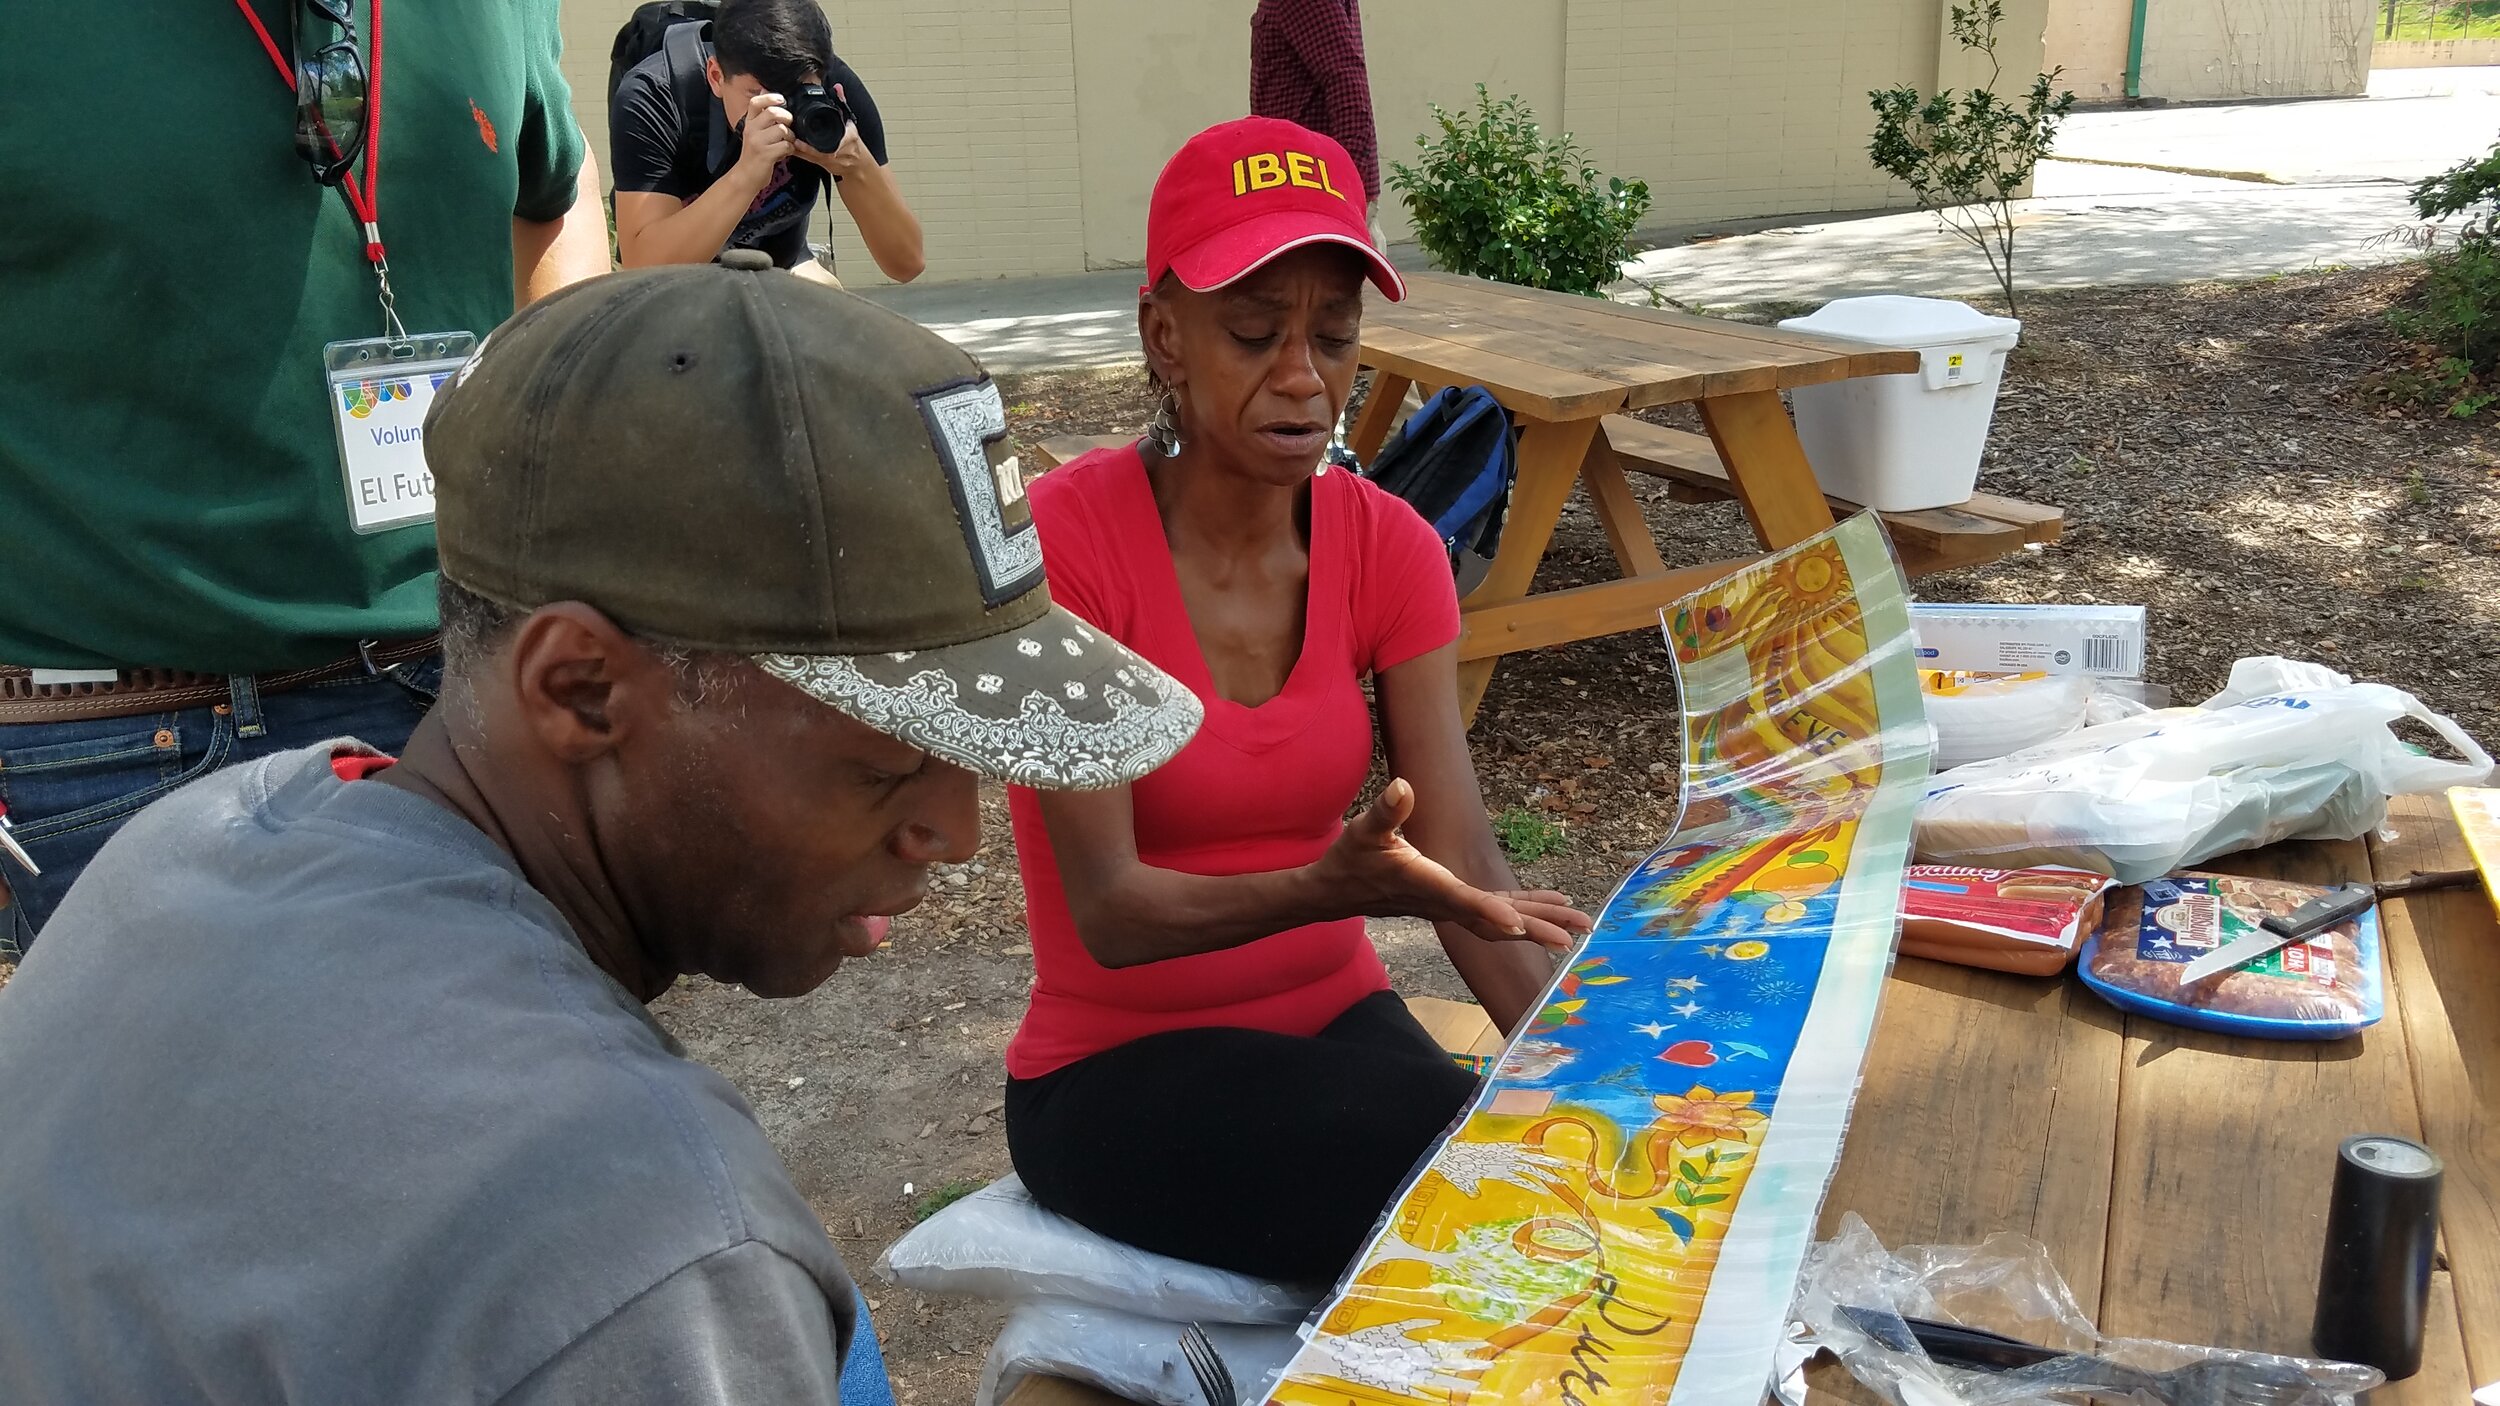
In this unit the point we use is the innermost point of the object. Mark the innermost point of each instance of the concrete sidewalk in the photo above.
(2413, 123)
(2076, 241)
(2329, 191)
(2169, 234)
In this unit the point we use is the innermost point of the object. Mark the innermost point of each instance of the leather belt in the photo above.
(139, 691)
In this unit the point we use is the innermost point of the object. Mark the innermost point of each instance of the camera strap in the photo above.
(365, 202)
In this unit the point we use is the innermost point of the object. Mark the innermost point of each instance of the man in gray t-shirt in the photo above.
(331, 1081)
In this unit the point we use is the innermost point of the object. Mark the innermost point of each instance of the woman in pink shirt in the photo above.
(1213, 1065)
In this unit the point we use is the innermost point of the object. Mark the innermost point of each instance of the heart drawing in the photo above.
(1695, 1054)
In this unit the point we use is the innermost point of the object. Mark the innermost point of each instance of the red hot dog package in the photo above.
(2026, 921)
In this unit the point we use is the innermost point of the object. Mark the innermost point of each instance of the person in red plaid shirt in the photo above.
(1306, 66)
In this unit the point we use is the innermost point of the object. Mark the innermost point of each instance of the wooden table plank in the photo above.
(1059, 1391)
(2444, 957)
(1989, 1102)
(1532, 388)
(1661, 357)
(1381, 406)
(1638, 359)
(2226, 1156)
(1627, 528)
(1889, 359)
(2444, 1379)
(1488, 631)
(1759, 445)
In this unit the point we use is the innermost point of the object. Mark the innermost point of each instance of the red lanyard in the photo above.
(366, 203)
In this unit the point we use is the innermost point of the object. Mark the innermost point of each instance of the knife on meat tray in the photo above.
(2325, 911)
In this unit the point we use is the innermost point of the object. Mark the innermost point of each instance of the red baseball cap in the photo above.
(1242, 192)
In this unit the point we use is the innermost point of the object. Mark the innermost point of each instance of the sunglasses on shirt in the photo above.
(329, 89)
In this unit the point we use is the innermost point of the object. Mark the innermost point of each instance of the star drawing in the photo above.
(1686, 984)
(1688, 1010)
(1653, 1030)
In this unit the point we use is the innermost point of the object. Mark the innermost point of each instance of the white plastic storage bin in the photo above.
(1900, 443)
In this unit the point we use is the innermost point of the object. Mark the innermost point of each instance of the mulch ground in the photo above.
(2221, 461)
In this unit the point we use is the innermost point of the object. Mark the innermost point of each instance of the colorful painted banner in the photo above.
(1621, 1214)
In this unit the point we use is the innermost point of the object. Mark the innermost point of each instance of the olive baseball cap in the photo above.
(730, 458)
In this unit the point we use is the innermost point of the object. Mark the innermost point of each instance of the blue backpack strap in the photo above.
(1492, 481)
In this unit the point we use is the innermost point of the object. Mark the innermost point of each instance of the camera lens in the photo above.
(818, 118)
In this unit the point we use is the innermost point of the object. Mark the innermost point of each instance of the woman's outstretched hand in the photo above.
(1374, 871)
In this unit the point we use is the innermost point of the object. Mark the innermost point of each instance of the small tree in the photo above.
(1965, 154)
(1494, 198)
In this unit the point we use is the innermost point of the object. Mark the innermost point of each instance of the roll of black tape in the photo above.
(2382, 1229)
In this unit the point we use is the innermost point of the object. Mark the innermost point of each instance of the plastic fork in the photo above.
(1215, 1380)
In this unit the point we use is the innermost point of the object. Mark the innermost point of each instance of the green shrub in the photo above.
(2469, 188)
(2458, 312)
(1495, 198)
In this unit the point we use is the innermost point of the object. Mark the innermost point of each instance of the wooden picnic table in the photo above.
(1561, 365)
(2179, 1179)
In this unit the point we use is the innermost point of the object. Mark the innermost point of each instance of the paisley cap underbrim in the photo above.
(1056, 705)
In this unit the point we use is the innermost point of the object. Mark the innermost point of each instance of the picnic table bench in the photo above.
(1570, 371)
(2179, 1178)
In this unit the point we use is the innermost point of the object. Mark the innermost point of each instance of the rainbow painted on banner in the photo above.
(1621, 1214)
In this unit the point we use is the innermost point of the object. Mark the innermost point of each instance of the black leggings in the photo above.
(1265, 1153)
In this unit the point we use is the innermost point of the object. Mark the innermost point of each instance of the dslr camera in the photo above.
(818, 116)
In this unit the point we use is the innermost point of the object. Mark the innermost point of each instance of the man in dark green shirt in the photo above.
(183, 584)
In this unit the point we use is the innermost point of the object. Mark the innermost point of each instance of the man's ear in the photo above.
(583, 685)
(713, 76)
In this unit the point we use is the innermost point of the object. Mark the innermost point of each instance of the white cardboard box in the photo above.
(2105, 641)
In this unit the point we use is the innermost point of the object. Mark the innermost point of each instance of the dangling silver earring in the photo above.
(1164, 430)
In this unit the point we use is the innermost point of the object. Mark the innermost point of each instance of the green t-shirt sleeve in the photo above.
(550, 149)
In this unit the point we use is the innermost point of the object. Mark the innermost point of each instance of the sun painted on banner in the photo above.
(1620, 1215)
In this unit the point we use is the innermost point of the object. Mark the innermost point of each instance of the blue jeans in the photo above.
(70, 785)
(864, 1378)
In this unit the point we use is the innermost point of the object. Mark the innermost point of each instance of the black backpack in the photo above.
(646, 31)
(1454, 460)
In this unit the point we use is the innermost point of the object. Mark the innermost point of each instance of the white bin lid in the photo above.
(1891, 320)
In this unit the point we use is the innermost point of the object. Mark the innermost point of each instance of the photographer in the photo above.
(725, 139)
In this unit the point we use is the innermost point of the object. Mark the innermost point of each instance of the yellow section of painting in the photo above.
(1558, 1281)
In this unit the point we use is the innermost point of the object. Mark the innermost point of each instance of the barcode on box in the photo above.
(2105, 654)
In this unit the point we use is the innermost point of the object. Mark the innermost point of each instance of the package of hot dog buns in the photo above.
(2026, 921)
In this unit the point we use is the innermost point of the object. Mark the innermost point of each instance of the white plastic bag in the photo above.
(2286, 751)
(998, 1243)
(1134, 1358)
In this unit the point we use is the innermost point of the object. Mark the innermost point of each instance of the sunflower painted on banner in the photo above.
(1620, 1215)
